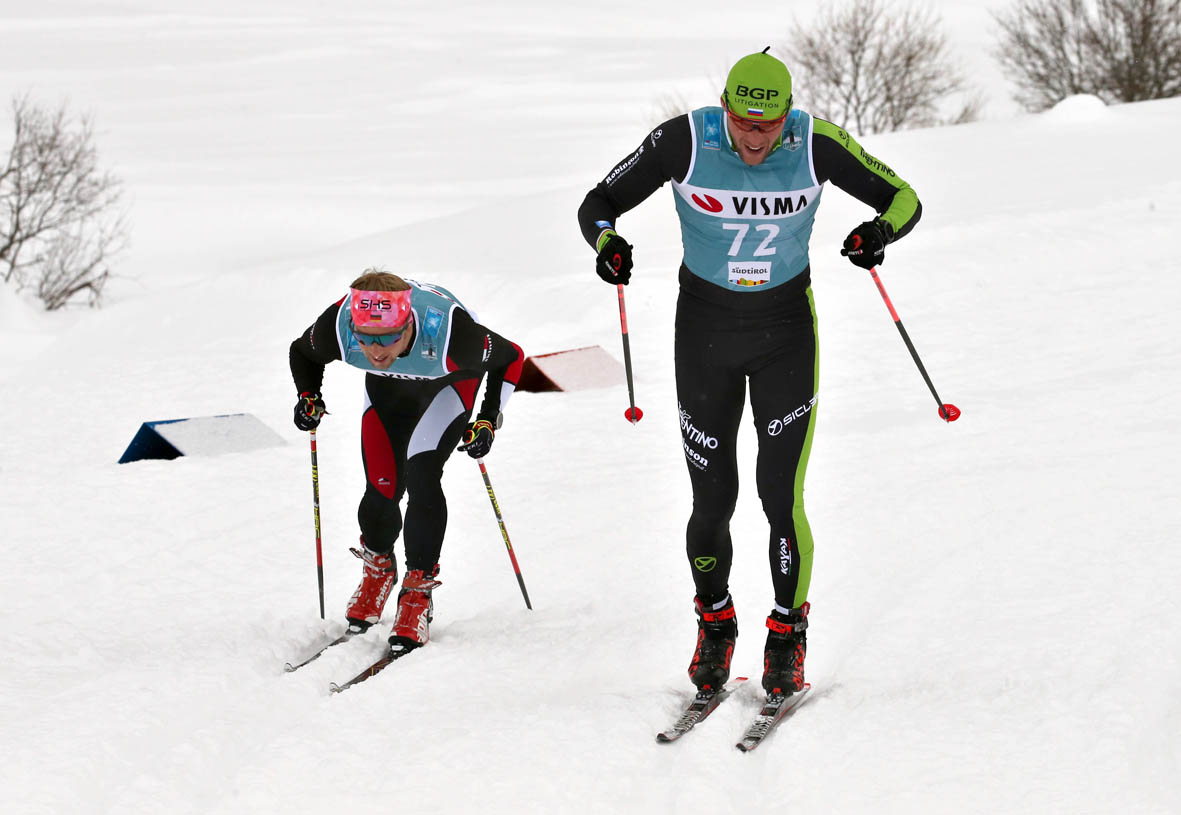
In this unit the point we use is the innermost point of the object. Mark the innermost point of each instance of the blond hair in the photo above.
(374, 279)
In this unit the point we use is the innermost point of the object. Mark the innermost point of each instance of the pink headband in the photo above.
(379, 309)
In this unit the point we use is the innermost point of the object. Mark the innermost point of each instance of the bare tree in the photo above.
(874, 69)
(58, 227)
(1118, 50)
(1139, 43)
(1043, 50)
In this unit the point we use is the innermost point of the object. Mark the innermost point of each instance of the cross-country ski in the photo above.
(388, 658)
(295, 666)
(703, 704)
(775, 709)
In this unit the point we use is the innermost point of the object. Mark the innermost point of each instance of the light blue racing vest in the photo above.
(431, 308)
(747, 228)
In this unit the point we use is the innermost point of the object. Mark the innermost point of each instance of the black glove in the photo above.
(614, 263)
(477, 439)
(308, 411)
(866, 245)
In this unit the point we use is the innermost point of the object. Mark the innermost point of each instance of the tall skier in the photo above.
(424, 355)
(747, 177)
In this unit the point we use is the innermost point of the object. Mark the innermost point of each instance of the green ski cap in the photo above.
(758, 88)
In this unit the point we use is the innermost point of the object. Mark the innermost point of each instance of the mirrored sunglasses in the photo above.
(384, 340)
(750, 126)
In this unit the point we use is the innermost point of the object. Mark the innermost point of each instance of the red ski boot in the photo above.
(368, 600)
(717, 629)
(787, 645)
(415, 610)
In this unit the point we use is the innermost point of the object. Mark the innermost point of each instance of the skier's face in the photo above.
(383, 356)
(752, 139)
(754, 145)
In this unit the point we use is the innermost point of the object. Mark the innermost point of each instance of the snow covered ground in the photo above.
(994, 601)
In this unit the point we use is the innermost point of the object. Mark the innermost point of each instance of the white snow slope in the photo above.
(994, 601)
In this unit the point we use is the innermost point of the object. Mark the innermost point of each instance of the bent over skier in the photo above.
(424, 356)
(747, 177)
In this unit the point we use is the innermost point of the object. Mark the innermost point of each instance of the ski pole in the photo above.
(633, 414)
(316, 510)
(947, 411)
(504, 532)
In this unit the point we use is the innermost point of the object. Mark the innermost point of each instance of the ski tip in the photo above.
(288, 667)
(334, 688)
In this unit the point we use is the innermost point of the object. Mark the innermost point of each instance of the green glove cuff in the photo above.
(604, 236)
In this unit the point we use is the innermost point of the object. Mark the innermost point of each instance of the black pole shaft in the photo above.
(627, 357)
(922, 369)
(909, 345)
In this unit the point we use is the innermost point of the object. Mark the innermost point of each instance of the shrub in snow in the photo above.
(58, 228)
(1118, 50)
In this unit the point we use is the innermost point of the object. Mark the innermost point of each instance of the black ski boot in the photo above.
(716, 632)
(783, 656)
